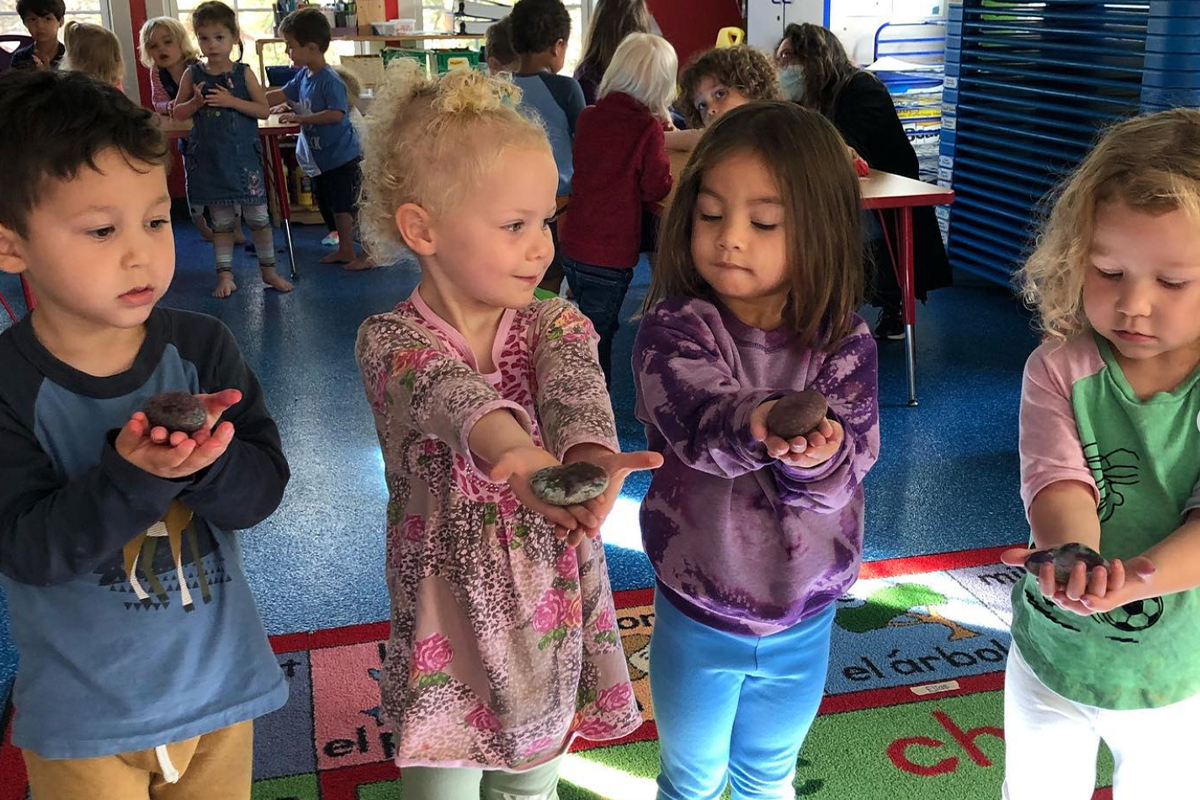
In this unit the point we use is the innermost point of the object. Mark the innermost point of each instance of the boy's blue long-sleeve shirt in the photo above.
(129, 606)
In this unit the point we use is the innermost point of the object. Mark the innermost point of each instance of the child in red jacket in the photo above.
(620, 166)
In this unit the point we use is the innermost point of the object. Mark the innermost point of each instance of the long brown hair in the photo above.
(614, 20)
(827, 68)
(822, 203)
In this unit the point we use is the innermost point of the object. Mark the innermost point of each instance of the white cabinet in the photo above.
(766, 19)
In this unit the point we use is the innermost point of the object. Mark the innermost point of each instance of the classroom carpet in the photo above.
(913, 704)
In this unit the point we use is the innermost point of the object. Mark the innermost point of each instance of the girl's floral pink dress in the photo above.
(504, 644)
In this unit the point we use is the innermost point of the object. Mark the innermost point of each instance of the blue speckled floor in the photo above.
(946, 479)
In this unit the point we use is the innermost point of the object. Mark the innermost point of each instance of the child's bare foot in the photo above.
(275, 280)
(340, 256)
(361, 263)
(225, 285)
(205, 232)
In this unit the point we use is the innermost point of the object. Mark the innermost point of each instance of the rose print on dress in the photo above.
(482, 718)
(553, 616)
(431, 656)
(413, 528)
(606, 628)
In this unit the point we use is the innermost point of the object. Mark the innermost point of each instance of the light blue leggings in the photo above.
(731, 707)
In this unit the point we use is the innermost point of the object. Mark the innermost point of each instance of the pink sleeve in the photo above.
(1049, 436)
(158, 94)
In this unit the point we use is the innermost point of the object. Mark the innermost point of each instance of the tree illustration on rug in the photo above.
(898, 605)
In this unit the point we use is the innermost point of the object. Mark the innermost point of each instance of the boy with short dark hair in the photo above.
(540, 31)
(42, 18)
(143, 660)
(498, 48)
(318, 97)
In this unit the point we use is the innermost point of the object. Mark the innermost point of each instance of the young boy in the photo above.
(42, 18)
(498, 47)
(143, 660)
(540, 30)
(718, 81)
(318, 97)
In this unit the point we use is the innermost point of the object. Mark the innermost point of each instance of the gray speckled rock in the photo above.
(797, 414)
(570, 484)
(1064, 559)
(176, 411)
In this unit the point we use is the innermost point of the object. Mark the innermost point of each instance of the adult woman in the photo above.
(612, 22)
(816, 73)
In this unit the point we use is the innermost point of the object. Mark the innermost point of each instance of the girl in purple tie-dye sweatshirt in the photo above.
(752, 537)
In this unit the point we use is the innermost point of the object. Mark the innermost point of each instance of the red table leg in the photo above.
(907, 279)
(285, 207)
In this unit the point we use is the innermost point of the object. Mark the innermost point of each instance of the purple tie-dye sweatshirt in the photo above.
(738, 540)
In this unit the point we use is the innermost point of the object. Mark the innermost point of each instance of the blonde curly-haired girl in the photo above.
(1110, 457)
(504, 645)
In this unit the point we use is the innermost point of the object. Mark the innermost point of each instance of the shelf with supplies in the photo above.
(399, 40)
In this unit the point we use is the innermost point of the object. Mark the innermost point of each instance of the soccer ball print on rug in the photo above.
(913, 706)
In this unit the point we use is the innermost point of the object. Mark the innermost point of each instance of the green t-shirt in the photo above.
(1081, 420)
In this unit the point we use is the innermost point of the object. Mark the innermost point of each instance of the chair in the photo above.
(16, 41)
(730, 37)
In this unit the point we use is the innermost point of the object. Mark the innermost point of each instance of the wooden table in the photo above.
(269, 130)
(883, 191)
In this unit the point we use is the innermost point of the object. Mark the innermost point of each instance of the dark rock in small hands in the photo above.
(1064, 558)
(176, 411)
(570, 484)
(797, 414)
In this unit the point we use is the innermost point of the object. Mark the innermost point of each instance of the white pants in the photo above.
(1051, 744)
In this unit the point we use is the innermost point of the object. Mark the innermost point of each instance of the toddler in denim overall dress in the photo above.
(224, 170)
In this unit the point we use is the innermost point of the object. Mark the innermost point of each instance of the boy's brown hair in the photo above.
(742, 68)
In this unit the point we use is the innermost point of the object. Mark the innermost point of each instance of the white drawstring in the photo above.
(169, 773)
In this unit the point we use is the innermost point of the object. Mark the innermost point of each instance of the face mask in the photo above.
(791, 83)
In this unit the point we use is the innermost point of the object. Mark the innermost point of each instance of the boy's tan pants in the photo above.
(214, 766)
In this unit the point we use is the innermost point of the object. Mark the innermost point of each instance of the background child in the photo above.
(224, 167)
(752, 538)
(717, 81)
(166, 52)
(1110, 453)
(321, 105)
(95, 527)
(612, 21)
(620, 165)
(503, 642)
(94, 51)
(540, 30)
(498, 47)
(42, 18)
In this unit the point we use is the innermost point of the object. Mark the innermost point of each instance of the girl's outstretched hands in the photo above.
(1103, 590)
(618, 466)
(516, 467)
(810, 450)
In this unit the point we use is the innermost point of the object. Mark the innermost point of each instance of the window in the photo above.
(95, 11)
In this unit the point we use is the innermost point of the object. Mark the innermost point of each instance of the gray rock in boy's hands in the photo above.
(1064, 559)
(569, 484)
(176, 411)
(797, 414)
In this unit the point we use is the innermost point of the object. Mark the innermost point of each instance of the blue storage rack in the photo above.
(1028, 86)
(916, 92)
